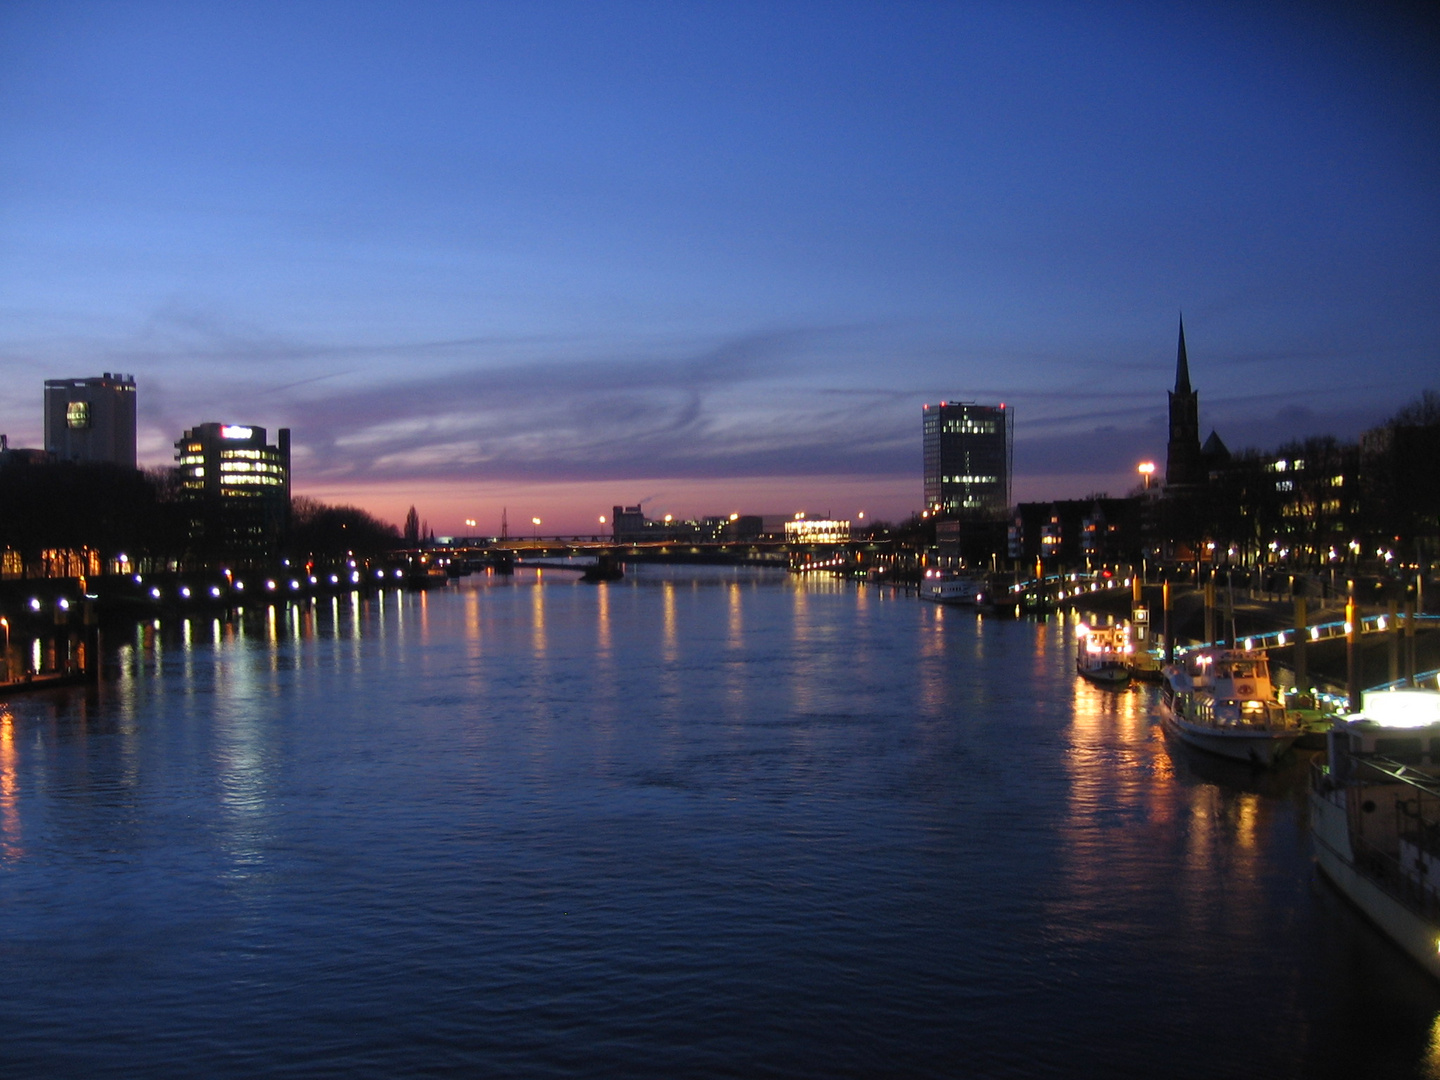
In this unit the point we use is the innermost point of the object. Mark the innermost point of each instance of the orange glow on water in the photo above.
(10, 847)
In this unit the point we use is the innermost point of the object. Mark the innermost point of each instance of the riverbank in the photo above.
(1380, 658)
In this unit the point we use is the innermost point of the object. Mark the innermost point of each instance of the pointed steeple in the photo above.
(1184, 464)
(1182, 365)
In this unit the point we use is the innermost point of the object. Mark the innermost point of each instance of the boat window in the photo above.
(1404, 750)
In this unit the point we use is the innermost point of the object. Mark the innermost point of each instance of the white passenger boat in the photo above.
(1375, 816)
(944, 587)
(1221, 700)
(1102, 654)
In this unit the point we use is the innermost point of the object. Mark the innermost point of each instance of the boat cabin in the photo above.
(1402, 726)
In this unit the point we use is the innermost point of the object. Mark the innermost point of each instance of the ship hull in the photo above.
(1333, 854)
(1112, 676)
(1256, 747)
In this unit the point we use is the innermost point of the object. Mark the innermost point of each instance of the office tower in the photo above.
(968, 460)
(91, 420)
(239, 490)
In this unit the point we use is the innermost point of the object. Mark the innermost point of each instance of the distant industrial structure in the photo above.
(629, 525)
(91, 420)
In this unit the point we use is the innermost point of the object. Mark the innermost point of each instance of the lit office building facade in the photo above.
(239, 488)
(91, 420)
(968, 456)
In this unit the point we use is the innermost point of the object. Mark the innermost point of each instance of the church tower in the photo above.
(1184, 466)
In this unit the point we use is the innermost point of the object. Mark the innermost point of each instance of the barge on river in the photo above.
(961, 588)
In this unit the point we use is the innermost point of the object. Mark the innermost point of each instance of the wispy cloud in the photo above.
(744, 407)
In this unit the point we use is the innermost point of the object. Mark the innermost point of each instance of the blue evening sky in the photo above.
(549, 257)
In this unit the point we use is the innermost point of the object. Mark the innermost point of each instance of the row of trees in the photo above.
(107, 509)
(1318, 496)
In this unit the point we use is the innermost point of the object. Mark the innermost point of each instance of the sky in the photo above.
(539, 259)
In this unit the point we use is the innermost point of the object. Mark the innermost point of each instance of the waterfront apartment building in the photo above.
(238, 488)
(968, 457)
(91, 420)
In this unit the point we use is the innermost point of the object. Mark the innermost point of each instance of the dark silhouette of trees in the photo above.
(68, 506)
(321, 531)
(1401, 460)
(412, 529)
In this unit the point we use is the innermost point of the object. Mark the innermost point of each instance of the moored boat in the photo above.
(1375, 816)
(1102, 654)
(1146, 666)
(953, 588)
(1221, 700)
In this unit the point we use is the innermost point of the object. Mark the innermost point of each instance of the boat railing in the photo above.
(1389, 770)
(1270, 716)
(1390, 875)
(1417, 823)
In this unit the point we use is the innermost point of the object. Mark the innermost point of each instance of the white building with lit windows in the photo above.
(803, 530)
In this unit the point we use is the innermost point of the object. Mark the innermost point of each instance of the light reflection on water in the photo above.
(688, 823)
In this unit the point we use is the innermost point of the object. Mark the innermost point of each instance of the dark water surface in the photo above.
(689, 824)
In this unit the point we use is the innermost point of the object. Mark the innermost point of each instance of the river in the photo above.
(710, 823)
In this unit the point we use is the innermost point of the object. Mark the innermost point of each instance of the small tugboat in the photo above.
(946, 588)
(1102, 654)
(1146, 667)
(607, 568)
(1375, 816)
(1221, 700)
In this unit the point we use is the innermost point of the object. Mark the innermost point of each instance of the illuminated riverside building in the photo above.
(91, 420)
(238, 488)
(816, 531)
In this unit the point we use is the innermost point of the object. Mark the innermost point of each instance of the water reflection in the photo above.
(537, 617)
(864, 815)
(10, 847)
(1137, 801)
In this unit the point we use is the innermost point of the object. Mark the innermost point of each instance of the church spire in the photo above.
(1182, 365)
(1184, 465)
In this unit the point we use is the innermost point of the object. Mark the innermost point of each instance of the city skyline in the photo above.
(554, 258)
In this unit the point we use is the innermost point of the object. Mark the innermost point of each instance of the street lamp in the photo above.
(1147, 470)
(535, 532)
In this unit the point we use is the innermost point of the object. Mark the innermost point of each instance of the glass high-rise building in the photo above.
(968, 455)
